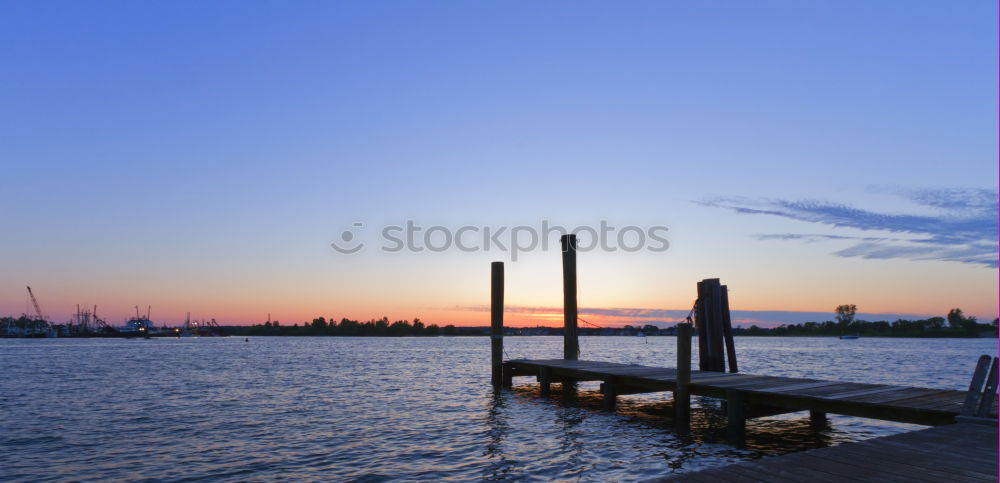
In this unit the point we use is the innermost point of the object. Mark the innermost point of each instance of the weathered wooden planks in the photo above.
(956, 452)
(894, 403)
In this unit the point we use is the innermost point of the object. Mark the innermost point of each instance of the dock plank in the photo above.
(888, 402)
(957, 452)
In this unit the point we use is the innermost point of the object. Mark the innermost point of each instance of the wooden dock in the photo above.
(963, 446)
(956, 452)
(758, 395)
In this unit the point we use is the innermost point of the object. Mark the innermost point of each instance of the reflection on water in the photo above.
(401, 409)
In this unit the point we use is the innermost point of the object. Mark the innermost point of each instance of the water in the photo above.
(376, 409)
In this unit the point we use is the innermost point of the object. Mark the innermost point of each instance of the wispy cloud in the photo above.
(962, 225)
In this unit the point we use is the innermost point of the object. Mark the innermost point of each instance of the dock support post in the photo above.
(610, 395)
(817, 420)
(571, 344)
(568, 385)
(496, 322)
(736, 415)
(682, 393)
(544, 381)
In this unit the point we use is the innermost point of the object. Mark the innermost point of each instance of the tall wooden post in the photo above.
(682, 393)
(496, 322)
(715, 327)
(701, 323)
(727, 331)
(713, 293)
(571, 344)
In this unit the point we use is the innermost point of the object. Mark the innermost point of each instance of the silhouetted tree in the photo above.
(956, 319)
(845, 314)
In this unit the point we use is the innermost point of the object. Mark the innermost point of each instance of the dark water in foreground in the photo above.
(399, 409)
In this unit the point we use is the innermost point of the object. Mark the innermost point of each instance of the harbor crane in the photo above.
(34, 302)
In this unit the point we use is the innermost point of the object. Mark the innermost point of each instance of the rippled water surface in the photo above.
(376, 409)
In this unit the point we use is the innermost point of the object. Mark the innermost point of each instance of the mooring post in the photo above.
(571, 344)
(736, 412)
(496, 322)
(727, 331)
(713, 291)
(701, 323)
(682, 393)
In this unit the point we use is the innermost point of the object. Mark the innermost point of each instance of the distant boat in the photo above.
(848, 337)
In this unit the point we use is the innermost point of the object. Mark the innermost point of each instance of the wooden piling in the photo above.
(496, 322)
(545, 381)
(701, 323)
(682, 393)
(736, 416)
(610, 395)
(727, 331)
(817, 420)
(571, 344)
(715, 336)
(715, 327)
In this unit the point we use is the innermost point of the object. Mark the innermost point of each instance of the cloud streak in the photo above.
(961, 226)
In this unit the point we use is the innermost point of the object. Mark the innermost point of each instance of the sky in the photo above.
(202, 157)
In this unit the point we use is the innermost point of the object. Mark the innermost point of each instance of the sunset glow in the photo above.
(209, 170)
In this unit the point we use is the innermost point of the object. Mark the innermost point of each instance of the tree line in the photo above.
(347, 327)
(956, 324)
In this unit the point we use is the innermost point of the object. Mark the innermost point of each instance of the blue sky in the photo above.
(201, 156)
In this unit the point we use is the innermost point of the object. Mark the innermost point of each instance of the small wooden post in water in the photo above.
(736, 416)
(817, 420)
(571, 344)
(682, 393)
(496, 322)
(544, 381)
